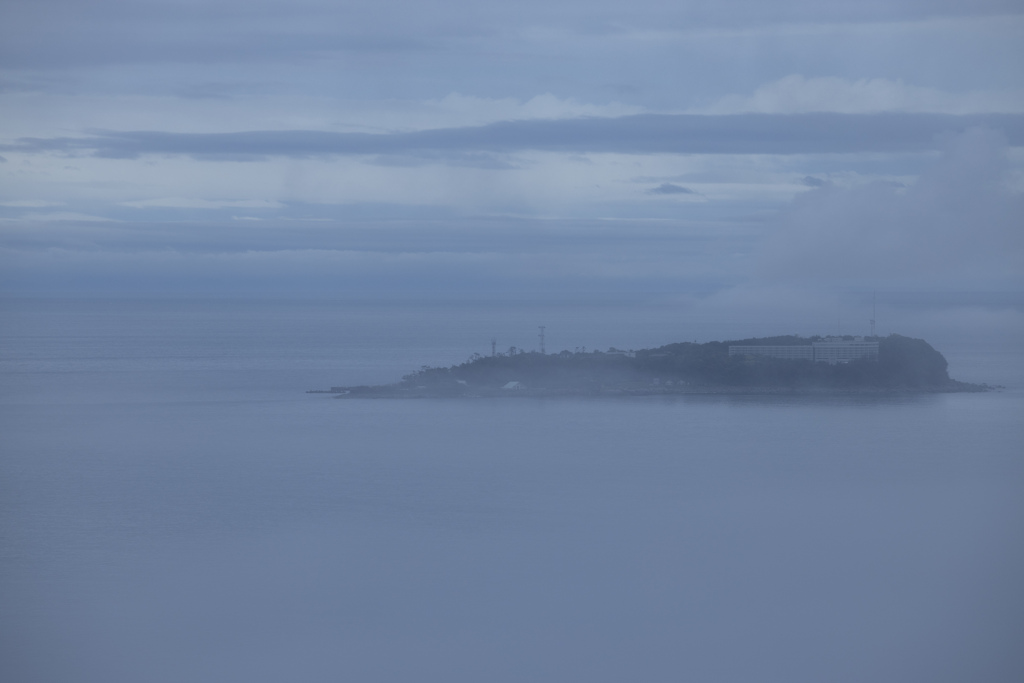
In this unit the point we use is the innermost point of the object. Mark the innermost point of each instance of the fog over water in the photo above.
(175, 507)
(209, 207)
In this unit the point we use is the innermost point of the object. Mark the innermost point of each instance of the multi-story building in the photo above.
(831, 350)
(801, 352)
(838, 350)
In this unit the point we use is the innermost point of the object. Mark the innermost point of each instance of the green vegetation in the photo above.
(902, 364)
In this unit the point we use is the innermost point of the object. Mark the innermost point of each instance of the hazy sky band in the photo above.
(641, 134)
(726, 145)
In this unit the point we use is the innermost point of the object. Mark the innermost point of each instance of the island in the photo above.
(785, 364)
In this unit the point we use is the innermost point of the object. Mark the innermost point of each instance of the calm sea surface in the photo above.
(174, 507)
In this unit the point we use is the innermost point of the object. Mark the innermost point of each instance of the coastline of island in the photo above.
(783, 365)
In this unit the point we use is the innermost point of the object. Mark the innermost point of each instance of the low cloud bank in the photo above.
(819, 133)
(796, 94)
(960, 225)
(957, 228)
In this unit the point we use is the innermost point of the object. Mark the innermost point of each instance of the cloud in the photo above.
(959, 225)
(640, 134)
(795, 94)
(670, 188)
(61, 216)
(414, 255)
(30, 203)
(811, 181)
(480, 110)
(481, 160)
(193, 203)
(62, 33)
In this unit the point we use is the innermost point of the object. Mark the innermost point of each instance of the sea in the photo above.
(175, 507)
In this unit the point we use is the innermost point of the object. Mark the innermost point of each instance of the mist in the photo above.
(208, 210)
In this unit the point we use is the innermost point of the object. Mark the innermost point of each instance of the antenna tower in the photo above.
(541, 328)
(494, 347)
(873, 313)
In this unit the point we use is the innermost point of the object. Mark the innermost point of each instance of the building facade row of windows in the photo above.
(828, 351)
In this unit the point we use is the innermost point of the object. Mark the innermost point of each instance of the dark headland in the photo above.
(788, 364)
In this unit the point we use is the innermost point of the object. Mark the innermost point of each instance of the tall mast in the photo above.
(873, 294)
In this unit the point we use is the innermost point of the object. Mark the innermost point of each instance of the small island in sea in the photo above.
(786, 364)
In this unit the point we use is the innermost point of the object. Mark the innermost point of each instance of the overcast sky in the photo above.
(315, 147)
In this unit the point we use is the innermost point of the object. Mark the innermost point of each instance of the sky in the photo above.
(730, 149)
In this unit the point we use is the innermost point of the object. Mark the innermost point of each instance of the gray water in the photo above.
(176, 508)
